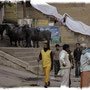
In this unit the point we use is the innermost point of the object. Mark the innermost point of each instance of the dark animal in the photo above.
(2, 28)
(16, 35)
(28, 32)
(41, 36)
(36, 35)
(45, 35)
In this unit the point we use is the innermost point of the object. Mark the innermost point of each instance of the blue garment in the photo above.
(85, 60)
(85, 51)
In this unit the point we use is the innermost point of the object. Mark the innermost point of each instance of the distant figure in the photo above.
(71, 58)
(65, 65)
(77, 55)
(85, 66)
(56, 59)
(47, 62)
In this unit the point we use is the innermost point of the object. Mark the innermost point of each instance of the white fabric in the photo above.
(46, 8)
(61, 57)
(64, 59)
(61, 72)
(76, 26)
(65, 78)
(84, 45)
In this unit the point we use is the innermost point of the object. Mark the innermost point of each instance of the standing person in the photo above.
(47, 62)
(77, 55)
(71, 58)
(56, 59)
(65, 65)
(85, 66)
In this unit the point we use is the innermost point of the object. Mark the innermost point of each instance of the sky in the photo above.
(56, 1)
(66, 0)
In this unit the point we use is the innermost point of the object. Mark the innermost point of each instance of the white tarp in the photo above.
(45, 8)
(76, 26)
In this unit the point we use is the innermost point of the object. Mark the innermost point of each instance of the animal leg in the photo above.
(1, 36)
(16, 43)
(37, 44)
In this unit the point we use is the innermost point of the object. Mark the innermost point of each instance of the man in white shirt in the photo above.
(85, 66)
(65, 65)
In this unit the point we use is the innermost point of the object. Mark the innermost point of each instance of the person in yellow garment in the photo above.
(47, 62)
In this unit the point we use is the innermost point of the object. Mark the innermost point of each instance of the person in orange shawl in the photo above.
(47, 62)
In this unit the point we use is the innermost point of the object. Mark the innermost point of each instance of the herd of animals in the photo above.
(24, 35)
